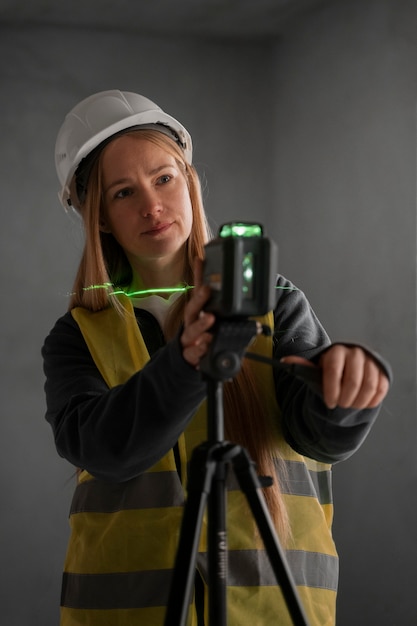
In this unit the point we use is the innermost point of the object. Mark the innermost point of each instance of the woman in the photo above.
(126, 400)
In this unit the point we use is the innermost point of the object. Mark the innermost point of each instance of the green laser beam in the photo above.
(158, 290)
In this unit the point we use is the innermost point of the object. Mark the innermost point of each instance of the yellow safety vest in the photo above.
(124, 536)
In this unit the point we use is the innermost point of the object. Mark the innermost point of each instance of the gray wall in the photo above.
(332, 175)
(345, 217)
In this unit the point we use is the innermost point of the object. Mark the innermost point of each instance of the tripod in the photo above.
(207, 488)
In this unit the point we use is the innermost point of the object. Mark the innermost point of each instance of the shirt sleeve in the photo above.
(117, 433)
(312, 429)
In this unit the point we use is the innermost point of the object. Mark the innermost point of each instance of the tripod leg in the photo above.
(217, 548)
(217, 540)
(251, 487)
(202, 468)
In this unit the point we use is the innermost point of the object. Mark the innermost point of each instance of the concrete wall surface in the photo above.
(345, 218)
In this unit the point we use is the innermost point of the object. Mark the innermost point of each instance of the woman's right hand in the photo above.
(196, 338)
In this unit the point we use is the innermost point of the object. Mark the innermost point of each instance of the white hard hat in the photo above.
(98, 118)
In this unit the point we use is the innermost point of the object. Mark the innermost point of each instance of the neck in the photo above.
(158, 275)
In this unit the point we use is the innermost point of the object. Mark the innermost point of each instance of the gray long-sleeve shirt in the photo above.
(118, 433)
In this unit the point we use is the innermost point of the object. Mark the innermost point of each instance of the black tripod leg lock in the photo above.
(266, 481)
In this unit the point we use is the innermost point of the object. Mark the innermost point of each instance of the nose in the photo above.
(150, 203)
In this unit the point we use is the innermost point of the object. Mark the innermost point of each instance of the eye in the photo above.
(165, 178)
(123, 193)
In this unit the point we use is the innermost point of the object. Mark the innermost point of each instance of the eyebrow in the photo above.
(123, 181)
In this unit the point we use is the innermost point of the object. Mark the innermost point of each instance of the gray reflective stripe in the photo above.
(304, 482)
(133, 590)
(252, 568)
(246, 568)
(313, 569)
(300, 481)
(149, 490)
(163, 489)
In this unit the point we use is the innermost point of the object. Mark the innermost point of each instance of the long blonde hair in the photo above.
(104, 268)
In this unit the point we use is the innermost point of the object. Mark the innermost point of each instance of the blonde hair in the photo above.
(104, 263)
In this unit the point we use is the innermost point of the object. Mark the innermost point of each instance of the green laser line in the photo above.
(157, 290)
(138, 293)
(103, 286)
(145, 292)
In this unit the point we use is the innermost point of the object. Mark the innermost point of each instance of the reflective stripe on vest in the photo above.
(246, 568)
(124, 536)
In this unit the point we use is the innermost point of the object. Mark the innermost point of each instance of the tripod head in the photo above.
(231, 338)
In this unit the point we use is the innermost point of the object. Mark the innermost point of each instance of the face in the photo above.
(147, 205)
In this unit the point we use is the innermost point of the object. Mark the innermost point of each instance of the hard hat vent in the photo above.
(112, 112)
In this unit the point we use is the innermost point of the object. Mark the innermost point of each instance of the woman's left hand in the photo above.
(351, 377)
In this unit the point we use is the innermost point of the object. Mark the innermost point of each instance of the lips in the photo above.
(158, 229)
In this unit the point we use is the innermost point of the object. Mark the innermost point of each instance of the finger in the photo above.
(332, 363)
(193, 331)
(194, 351)
(357, 381)
(382, 390)
(368, 387)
